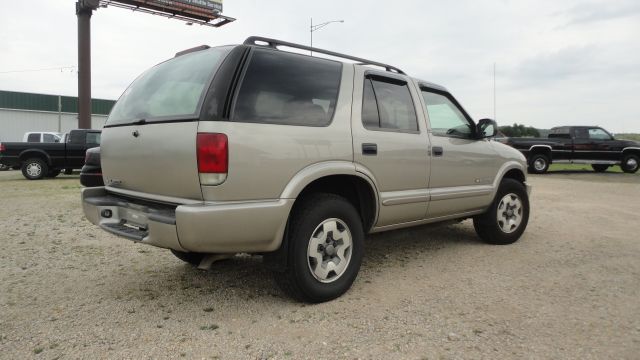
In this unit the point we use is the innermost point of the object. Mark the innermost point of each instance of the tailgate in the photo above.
(156, 159)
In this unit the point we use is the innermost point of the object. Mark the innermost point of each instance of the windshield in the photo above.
(173, 89)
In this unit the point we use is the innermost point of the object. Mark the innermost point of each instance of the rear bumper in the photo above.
(227, 227)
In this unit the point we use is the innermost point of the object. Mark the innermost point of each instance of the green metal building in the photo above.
(22, 112)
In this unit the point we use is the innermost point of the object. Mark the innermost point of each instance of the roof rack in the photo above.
(273, 43)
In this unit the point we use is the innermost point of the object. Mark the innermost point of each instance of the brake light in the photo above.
(2, 148)
(213, 158)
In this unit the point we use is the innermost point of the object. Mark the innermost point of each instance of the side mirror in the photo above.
(486, 128)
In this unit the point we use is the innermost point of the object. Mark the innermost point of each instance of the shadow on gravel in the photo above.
(244, 278)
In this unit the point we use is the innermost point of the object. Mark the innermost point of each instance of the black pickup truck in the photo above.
(579, 145)
(39, 160)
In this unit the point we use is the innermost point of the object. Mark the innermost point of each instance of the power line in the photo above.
(61, 68)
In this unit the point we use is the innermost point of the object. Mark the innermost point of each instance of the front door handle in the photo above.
(437, 151)
(369, 149)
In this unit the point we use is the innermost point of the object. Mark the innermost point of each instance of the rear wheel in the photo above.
(539, 164)
(599, 167)
(188, 257)
(507, 218)
(34, 169)
(630, 163)
(325, 240)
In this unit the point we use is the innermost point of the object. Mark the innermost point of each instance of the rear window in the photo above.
(171, 90)
(288, 89)
(33, 138)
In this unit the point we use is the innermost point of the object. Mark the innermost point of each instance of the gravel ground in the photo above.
(568, 289)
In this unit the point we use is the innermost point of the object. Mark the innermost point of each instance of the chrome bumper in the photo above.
(226, 227)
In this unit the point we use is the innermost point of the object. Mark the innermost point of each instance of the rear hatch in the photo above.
(148, 145)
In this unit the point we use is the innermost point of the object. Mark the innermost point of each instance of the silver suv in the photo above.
(251, 149)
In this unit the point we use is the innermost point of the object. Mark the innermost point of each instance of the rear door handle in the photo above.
(369, 149)
(437, 151)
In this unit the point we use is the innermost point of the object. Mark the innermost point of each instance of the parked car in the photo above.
(39, 160)
(253, 149)
(91, 173)
(42, 137)
(579, 145)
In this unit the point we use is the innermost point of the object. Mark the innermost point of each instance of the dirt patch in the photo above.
(568, 289)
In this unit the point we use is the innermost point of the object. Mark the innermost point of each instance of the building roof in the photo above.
(41, 102)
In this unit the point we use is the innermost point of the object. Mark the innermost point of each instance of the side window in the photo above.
(445, 117)
(288, 89)
(561, 133)
(93, 138)
(598, 134)
(33, 138)
(581, 133)
(48, 138)
(387, 105)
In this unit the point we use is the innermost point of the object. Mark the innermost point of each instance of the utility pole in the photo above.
(84, 10)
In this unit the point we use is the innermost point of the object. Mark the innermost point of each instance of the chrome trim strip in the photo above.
(460, 192)
(391, 198)
(547, 146)
(631, 148)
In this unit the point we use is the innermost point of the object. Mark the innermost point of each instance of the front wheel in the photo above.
(326, 240)
(630, 163)
(507, 218)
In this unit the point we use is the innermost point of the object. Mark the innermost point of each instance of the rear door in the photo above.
(390, 141)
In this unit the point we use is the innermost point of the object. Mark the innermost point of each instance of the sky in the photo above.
(563, 62)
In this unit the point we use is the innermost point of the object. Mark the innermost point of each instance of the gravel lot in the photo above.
(570, 288)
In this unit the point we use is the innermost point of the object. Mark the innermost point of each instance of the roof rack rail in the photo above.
(273, 43)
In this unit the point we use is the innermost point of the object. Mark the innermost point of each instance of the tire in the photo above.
(599, 167)
(53, 173)
(539, 164)
(188, 257)
(315, 222)
(35, 169)
(492, 227)
(630, 163)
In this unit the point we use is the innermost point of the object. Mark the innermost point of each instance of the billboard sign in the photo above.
(199, 9)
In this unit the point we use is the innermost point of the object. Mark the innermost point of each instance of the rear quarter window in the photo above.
(288, 89)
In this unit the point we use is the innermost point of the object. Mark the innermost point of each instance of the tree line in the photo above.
(519, 130)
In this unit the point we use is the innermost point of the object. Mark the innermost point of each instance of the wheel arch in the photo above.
(336, 177)
(35, 153)
(340, 178)
(540, 149)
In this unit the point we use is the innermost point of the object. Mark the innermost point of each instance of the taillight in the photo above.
(2, 148)
(213, 158)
